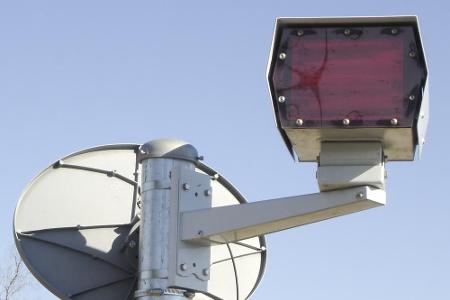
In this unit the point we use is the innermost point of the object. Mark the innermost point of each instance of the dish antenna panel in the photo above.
(77, 229)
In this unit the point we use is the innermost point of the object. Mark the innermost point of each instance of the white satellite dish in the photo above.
(75, 227)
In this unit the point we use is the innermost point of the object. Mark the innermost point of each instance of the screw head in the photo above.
(205, 272)
(183, 267)
(208, 192)
(186, 186)
(347, 31)
(422, 116)
(282, 56)
(346, 121)
(360, 196)
(394, 121)
(299, 122)
(200, 233)
(394, 30)
(412, 54)
(412, 97)
(281, 99)
(300, 33)
(132, 244)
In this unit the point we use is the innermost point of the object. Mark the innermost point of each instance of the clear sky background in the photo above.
(76, 74)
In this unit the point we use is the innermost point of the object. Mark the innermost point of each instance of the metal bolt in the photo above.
(208, 192)
(299, 122)
(186, 186)
(282, 56)
(347, 31)
(346, 121)
(394, 30)
(112, 173)
(300, 32)
(132, 244)
(412, 97)
(360, 196)
(58, 164)
(412, 54)
(200, 232)
(394, 121)
(205, 272)
(183, 267)
(281, 99)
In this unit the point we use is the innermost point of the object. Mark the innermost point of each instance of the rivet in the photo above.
(412, 54)
(347, 31)
(394, 121)
(186, 186)
(346, 121)
(208, 192)
(281, 99)
(183, 267)
(299, 122)
(394, 30)
(205, 272)
(412, 97)
(282, 56)
(300, 32)
(360, 196)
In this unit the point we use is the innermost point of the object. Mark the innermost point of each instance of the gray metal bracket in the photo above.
(213, 226)
(191, 191)
(350, 164)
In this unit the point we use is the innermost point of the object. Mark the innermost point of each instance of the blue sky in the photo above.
(84, 73)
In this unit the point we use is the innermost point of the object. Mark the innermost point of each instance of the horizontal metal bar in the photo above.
(263, 248)
(100, 286)
(78, 227)
(238, 222)
(62, 164)
(236, 257)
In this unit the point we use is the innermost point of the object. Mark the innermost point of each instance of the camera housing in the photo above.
(351, 79)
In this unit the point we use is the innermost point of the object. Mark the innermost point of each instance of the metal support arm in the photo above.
(238, 222)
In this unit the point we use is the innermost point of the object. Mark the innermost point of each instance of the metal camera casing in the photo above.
(351, 79)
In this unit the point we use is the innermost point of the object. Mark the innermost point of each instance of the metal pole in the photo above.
(158, 158)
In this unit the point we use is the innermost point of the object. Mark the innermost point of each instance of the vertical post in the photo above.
(158, 158)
